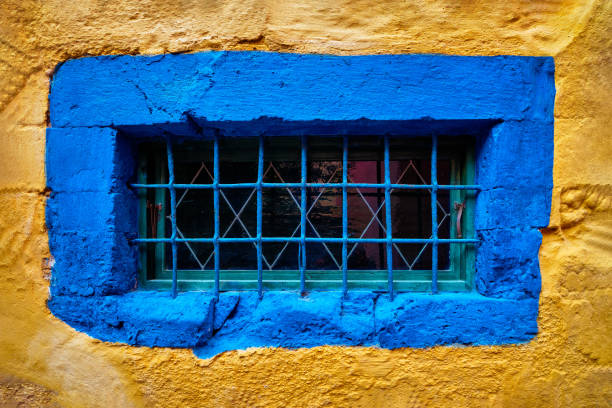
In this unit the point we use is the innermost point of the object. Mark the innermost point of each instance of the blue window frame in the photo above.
(103, 108)
(239, 267)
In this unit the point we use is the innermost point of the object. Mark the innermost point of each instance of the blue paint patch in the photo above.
(102, 107)
(143, 318)
(245, 86)
(91, 213)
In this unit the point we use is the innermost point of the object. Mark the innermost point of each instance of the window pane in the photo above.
(412, 257)
(194, 217)
(280, 256)
(238, 160)
(325, 213)
(366, 256)
(240, 256)
(366, 155)
(238, 213)
(411, 213)
(280, 212)
(366, 219)
(192, 256)
(324, 160)
(282, 160)
(410, 164)
(323, 256)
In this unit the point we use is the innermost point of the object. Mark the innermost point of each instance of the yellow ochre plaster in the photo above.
(44, 362)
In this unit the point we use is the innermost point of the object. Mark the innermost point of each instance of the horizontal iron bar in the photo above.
(323, 272)
(313, 239)
(316, 185)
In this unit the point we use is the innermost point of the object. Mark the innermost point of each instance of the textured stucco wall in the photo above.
(44, 362)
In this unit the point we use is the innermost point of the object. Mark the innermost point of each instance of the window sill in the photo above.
(285, 319)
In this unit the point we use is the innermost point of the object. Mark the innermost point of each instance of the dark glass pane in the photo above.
(412, 256)
(366, 219)
(280, 256)
(418, 256)
(154, 212)
(324, 160)
(239, 256)
(325, 213)
(411, 213)
(282, 157)
(238, 215)
(238, 160)
(366, 171)
(444, 171)
(410, 163)
(194, 218)
(366, 160)
(366, 255)
(411, 171)
(323, 256)
(281, 212)
(190, 170)
(444, 214)
(192, 255)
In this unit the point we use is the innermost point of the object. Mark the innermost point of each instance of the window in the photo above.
(114, 119)
(264, 243)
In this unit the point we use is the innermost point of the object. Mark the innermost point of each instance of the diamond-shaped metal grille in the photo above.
(305, 198)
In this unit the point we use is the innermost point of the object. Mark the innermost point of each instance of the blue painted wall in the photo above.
(101, 107)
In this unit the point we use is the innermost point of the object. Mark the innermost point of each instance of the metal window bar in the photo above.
(172, 213)
(393, 186)
(303, 215)
(258, 240)
(217, 216)
(344, 215)
(389, 226)
(260, 173)
(434, 213)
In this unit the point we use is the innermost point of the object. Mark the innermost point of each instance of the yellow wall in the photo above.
(45, 362)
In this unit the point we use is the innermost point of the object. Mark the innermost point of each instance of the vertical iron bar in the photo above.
(344, 214)
(260, 171)
(434, 213)
(388, 218)
(172, 214)
(302, 251)
(216, 210)
(381, 253)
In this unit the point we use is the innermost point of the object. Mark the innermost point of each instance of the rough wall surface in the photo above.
(44, 362)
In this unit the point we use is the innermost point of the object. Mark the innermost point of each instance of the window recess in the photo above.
(307, 213)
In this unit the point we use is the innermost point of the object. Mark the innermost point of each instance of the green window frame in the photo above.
(154, 209)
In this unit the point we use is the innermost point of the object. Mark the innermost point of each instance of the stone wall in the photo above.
(43, 361)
